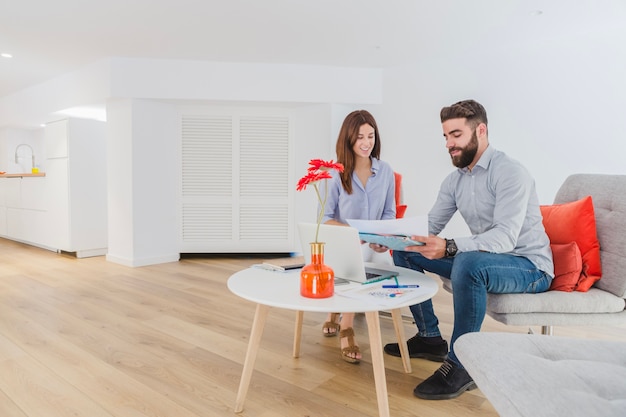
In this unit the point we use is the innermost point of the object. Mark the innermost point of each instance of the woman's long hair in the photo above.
(347, 138)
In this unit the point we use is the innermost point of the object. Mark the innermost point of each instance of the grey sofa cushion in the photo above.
(537, 376)
(593, 301)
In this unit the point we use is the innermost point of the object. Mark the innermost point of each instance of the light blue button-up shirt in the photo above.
(498, 201)
(375, 201)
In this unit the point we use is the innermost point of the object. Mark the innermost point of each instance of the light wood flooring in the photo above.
(89, 338)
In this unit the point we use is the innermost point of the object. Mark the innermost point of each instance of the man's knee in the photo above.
(397, 257)
(469, 261)
(408, 260)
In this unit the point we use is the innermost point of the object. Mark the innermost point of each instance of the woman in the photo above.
(365, 190)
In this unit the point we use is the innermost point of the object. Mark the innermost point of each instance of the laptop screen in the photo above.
(342, 251)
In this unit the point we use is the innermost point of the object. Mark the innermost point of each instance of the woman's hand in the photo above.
(378, 248)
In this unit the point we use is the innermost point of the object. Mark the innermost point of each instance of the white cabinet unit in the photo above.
(76, 195)
(25, 208)
(237, 182)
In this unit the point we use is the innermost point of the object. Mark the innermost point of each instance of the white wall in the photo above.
(312, 127)
(10, 139)
(189, 80)
(270, 83)
(557, 106)
(33, 106)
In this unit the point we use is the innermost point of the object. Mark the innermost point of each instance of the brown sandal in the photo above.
(352, 348)
(331, 328)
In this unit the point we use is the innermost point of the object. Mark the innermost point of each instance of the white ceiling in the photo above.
(50, 38)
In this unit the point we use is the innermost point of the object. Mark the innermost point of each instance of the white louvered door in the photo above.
(236, 183)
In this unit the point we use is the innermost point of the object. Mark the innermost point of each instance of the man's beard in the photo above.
(467, 154)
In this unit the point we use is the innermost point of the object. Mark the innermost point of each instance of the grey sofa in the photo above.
(536, 376)
(539, 376)
(604, 303)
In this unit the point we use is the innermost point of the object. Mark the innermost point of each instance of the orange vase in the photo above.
(317, 280)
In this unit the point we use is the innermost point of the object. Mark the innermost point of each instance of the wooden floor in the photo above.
(89, 338)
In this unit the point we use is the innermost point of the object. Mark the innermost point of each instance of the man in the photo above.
(508, 250)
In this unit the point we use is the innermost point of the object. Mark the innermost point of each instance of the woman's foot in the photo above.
(350, 352)
(331, 326)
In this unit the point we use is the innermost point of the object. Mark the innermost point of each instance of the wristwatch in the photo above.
(451, 248)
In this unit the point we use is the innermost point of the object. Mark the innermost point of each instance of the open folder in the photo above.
(394, 233)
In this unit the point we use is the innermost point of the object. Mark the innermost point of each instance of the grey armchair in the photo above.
(604, 303)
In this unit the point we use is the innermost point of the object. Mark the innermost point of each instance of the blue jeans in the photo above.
(472, 275)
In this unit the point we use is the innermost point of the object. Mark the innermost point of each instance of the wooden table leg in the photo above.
(373, 328)
(396, 315)
(253, 348)
(297, 334)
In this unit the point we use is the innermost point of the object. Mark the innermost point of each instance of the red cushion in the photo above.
(576, 222)
(568, 265)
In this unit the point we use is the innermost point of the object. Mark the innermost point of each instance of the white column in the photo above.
(143, 182)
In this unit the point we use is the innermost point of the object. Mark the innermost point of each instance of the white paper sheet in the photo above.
(375, 293)
(407, 226)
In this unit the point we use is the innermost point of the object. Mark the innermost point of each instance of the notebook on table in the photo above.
(342, 252)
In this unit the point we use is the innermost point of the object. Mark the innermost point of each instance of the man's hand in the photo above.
(434, 246)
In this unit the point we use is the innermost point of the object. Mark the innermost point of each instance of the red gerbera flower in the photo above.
(319, 164)
(318, 170)
(312, 177)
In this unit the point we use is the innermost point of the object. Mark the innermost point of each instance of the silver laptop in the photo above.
(342, 252)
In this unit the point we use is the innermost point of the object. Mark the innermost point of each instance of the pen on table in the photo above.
(401, 286)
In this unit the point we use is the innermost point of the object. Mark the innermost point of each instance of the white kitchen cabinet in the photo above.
(23, 209)
(12, 192)
(26, 226)
(32, 193)
(76, 195)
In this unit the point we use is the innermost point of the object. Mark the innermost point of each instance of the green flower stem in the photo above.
(321, 211)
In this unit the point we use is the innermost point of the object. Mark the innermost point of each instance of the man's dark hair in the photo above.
(471, 110)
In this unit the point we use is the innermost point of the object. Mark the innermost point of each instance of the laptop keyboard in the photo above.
(371, 275)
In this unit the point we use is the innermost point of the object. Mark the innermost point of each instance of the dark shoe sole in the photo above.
(448, 396)
(421, 355)
(429, 356)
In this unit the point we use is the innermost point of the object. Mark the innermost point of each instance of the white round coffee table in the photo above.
(282, 290)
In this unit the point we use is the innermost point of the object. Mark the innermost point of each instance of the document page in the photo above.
(381, 293)
(407, 226)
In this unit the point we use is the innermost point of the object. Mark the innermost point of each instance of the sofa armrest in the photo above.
(534, 376)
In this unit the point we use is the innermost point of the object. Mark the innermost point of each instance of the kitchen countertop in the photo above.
(25, 174)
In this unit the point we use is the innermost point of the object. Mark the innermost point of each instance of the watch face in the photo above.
(451, 248)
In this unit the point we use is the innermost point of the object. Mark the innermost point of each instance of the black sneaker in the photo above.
(420, 349)
(449, 381)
